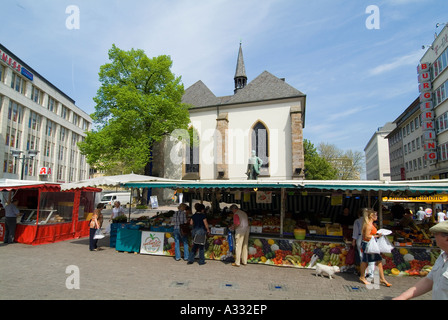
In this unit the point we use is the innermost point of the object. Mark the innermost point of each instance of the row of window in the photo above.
(440, 94)
(19, 84)
(443, 151)
(413, 125)
(440, 64)
(12, 165)
(15, 114)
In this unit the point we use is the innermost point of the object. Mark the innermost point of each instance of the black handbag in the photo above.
(184, 229)
(199, 238)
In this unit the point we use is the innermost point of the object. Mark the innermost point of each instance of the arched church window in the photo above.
(192, 152)
(260, 143)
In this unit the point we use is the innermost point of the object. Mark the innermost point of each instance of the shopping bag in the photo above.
(350, 257)
(372, 246)
(230, 239)
(384, 245)
(98, 234)
(199, 238)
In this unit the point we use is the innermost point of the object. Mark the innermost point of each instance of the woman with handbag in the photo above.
(199, 233)
(179, 220)
(95, 223)
(369, 232)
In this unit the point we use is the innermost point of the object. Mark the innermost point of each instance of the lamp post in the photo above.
(31, 155)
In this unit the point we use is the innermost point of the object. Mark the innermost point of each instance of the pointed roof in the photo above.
(265, 87)
(240, 69)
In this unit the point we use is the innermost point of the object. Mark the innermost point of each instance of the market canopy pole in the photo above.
(380, 208)
(282, 209)
(130, 204)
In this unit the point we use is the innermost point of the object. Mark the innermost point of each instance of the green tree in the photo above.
(316, 167)
(138, 103)
(348, 164)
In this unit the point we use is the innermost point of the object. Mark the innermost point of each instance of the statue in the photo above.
(253, 167)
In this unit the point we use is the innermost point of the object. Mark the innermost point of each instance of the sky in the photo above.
(356, 60)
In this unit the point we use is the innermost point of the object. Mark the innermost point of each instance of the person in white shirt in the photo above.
(441, 216)
(117, 210)
(420, 214)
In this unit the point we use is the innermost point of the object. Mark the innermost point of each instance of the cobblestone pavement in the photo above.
(47, 272)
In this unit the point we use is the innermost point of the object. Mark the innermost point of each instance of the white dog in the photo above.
(324, 270)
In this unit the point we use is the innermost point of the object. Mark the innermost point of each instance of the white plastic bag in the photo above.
(98, 234)
(384, 245)
(372, 246)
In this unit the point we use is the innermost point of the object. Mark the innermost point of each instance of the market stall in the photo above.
(48, 214)
(278, 236)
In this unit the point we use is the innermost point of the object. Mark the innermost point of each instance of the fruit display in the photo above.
(409, 262)
(412, 237)
(271, 224)
(294, 253)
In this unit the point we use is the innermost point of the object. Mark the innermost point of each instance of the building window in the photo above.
(15, 112)
(260, 143)
(64, 112)
(2, 72)
(36, 95)
(51, 105)
(17, 83)
(34, 121)
(50, 128)
(192, 152)
(440, 94)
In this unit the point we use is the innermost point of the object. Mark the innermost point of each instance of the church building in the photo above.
(265, 116)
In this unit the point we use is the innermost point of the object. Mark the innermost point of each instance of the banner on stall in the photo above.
(264, 197)
(152, 242)
(154, 202)
(438, 198)
(336, 199)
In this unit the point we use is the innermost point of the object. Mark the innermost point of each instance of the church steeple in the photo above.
(240, 73)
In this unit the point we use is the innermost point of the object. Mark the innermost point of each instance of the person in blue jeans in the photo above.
(177, 219)
(200, 226)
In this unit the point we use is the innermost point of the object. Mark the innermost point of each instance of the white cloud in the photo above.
(406, 60)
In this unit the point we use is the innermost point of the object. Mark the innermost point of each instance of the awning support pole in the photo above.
(282, 209)
(380, 208)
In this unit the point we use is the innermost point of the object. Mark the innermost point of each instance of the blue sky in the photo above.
(356, 79)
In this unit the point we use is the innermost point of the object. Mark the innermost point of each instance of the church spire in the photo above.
(240, 73)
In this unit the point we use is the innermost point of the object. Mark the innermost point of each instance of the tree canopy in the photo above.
(316, 167)
(137, 104)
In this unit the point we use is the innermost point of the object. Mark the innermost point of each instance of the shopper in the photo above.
(420, 214)
(95, 223)
(200, 227)
(177, 219)
(357, 236)
(369, 231)
(437, 279)
(440, 216)
(11, 214)
(241, 227)
(117, 210)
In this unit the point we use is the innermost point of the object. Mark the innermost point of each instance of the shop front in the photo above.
(48, 214)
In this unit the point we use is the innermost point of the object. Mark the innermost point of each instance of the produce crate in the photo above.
(256, 229)
(219, 231)
(113, 232)
(333, 230)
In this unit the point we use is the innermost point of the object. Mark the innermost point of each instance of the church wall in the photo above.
(241, 118)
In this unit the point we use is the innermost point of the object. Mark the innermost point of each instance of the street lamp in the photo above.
(31, 155)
